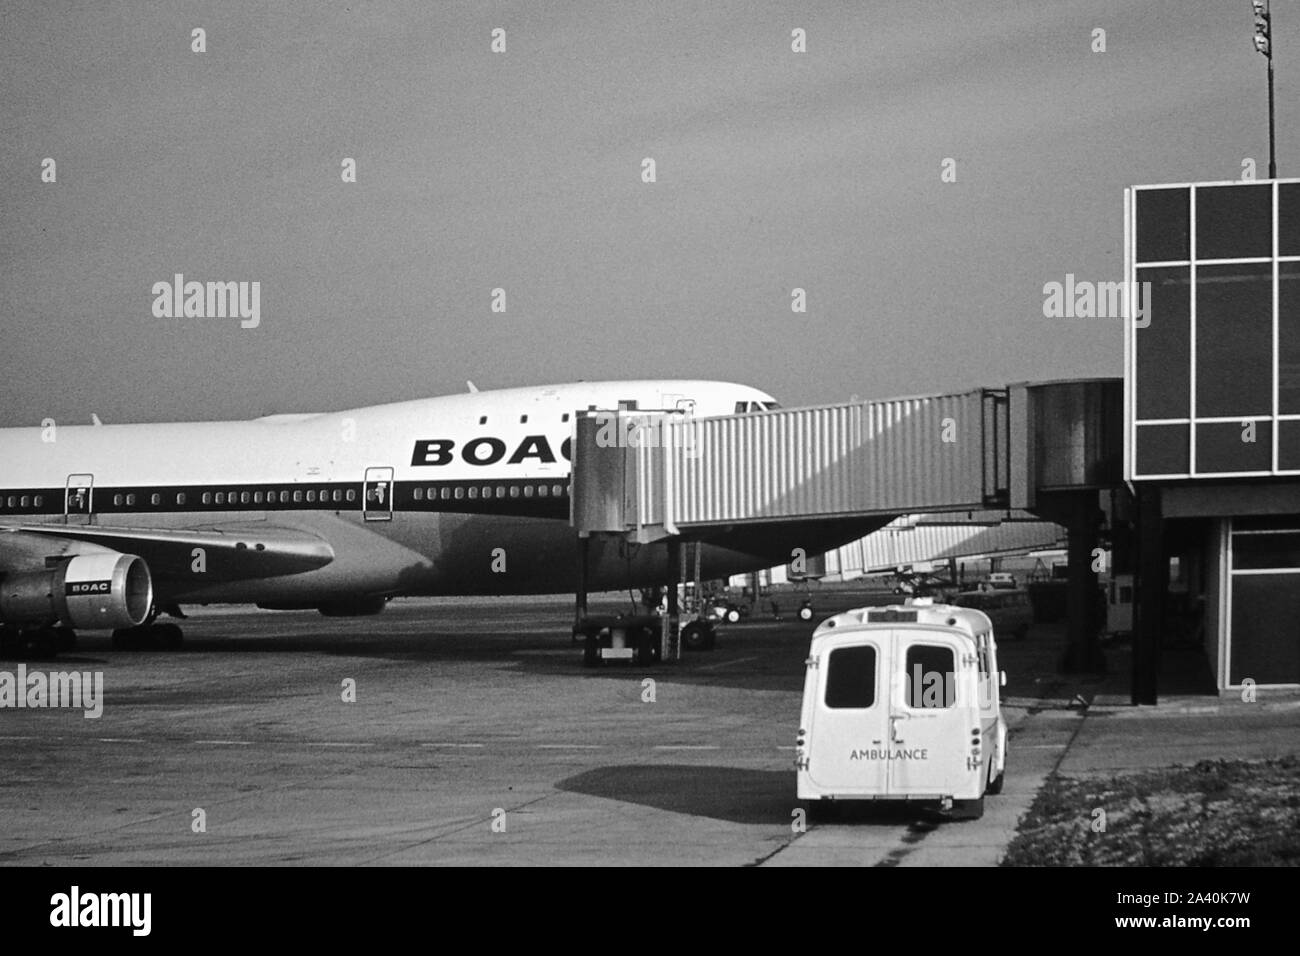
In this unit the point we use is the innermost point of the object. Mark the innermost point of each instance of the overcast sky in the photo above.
(522, 170)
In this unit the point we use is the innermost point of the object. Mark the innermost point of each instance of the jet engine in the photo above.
(90, 591)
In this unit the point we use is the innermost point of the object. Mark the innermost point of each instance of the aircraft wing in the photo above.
(226, 553)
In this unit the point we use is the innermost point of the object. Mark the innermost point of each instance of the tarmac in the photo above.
(476, 738)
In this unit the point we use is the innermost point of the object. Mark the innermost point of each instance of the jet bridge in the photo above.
(650, 475)
(1051, 448)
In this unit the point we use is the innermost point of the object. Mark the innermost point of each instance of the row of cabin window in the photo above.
(246, 497)
(25, 501)
(514, 491)
(338, 495)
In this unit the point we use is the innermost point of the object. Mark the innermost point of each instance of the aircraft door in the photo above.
(78, 499)
(377, 499)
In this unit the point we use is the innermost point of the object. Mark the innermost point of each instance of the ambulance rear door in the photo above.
(933, 714)
(849, 725)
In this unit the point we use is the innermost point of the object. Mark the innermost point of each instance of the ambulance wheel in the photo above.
(806, 613)
(591, 651)
(968, 809)
(995, 785)
(733, 615)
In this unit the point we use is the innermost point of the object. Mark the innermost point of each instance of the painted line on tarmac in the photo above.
(687, 747)
(226, 743)
(121, 740)
(337, 743)
(453, 745)
(738, 660)
(570, 746)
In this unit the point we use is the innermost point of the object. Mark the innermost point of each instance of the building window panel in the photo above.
(1163, 225)
(1265, 644)
(1162, 450)
(1234, 446)
(1288, 446)
(1234, 340)
(1163, 345)
(1234, 222)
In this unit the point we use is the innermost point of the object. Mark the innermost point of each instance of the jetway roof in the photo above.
(654, 474)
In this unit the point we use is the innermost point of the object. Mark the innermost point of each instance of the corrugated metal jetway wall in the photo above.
(884, 457)
(906, 541)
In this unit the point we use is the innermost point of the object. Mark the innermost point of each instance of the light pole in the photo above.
(1264, 44)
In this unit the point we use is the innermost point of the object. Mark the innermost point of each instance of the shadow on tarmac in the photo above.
(733, 795)
(722, 793)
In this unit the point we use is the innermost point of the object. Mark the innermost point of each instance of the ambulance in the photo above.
(902, 703)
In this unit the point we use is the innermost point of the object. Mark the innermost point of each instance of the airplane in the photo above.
(109, 526)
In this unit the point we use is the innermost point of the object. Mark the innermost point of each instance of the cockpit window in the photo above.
(769, 406)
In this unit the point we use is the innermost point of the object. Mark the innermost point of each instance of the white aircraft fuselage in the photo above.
(461, 494)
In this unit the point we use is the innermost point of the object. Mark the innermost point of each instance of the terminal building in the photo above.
(1212, 424)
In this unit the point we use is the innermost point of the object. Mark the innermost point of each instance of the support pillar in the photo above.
(584, 564)
(1150, 585)
(670, 646)
(1083, 652)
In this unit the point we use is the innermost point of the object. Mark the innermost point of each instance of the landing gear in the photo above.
(806, 611)
(590, 649)
(647, 647)
(35, 643)
(148, 637)
(699, 636)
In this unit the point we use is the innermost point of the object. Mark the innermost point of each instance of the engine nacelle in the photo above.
(90, 591)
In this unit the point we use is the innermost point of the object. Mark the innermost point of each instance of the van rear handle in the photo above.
(1003, 675)
(893, 727)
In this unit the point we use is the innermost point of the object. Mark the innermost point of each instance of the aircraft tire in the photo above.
(169, 637)
(694, 636)
(591, 651)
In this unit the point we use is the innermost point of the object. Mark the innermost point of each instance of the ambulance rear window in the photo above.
(931, 677)
(851, 677)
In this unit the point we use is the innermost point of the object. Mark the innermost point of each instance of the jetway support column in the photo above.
(1083, 652)
(584, 562)
(670, 643)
